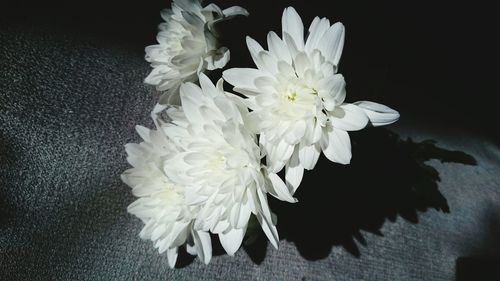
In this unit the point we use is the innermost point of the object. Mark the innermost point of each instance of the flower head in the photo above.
(187, 46)
(297, 97)
(200, 172)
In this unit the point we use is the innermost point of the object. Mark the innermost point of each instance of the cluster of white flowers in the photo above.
(201, 172)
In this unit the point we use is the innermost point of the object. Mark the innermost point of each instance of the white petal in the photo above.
(143, 132)
(262, 203)
(221, 226)
(203, 245)
(269, 62)
(332, 43)
(279, 189)
(278, 48)
(332, 91)
(171, 97)
(190, 98)
(207, 86)
(286, 69)
(218, 58)
(292, 47)
(191, 18)
(317, 132)
(255, 48)
(291, 23)
(278, 155)
(295, 132)
(213, 8)
(293, 172)
(301, 63)
(158, 232)
(179, 234)
(234, 11)
(336, 146)
(160, 73)
(172, 256)
(188, 5)
(245, 213)
(379, 114)
(231, 240)
(242, 77)
(270, 230)
(316, 32)
(348, 117)
(265, 219)
(309, 155)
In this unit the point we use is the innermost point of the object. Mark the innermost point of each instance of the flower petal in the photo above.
(279, 189)
(332, 43)
(231, 240)
(295, 132)
(379, 114)
(218, 58)
(292, 46)
(332, 91)
(190, 99)
(336, 145)
(291, 23)
(316, 32)
(309, 155)
(301, 63)
(278, 48)
(143, 132)
(172, 256)
(255, 48)
(207, 86)
(203, 245)
(293, 172)
(242, 77)
(235, 11)
(269, 62)
(270, 230)
(348, 117)
(265, 219)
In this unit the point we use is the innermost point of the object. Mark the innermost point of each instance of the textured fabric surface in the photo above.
(67, 107)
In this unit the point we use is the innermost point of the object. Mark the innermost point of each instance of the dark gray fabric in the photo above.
(67, 107)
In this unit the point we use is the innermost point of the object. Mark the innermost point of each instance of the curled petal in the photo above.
(235, 11)
(218, 58)
(379, 114)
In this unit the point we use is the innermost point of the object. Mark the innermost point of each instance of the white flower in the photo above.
(187, 46)
(160, 205)
(200, 172)
(297, 97)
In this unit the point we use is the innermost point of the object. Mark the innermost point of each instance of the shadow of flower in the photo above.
(387, 177)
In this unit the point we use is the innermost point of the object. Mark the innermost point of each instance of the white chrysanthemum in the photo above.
(297, 97)
(200, 172)
(187, 46)
(160, 205)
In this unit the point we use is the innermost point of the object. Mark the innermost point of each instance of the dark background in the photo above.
(435, 62)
